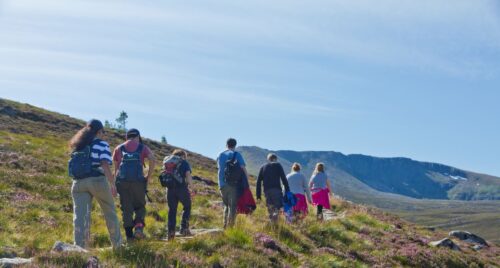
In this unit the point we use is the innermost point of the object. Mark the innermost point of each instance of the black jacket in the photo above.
(271, 174)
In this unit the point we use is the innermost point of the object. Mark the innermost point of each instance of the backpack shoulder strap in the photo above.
(139, 148)
(234, 157)
(122, 148)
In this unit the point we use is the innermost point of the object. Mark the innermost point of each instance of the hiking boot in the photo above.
(186, 232)
(139, 231)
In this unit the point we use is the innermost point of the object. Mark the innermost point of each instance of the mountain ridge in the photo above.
(399, 175)
(36, 211)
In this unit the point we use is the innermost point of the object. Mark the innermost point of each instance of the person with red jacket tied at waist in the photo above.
(131, 183)
(272, 176)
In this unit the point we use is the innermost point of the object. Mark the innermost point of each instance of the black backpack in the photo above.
(170, 176)
(233, 173)
(80, 164)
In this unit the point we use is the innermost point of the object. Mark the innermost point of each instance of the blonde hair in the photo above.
(320, 167)
(296, 167)
(179, 152)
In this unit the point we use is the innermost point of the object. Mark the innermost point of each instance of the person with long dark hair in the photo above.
(90, 168)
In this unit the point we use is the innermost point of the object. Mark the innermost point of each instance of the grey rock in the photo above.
(468, 237)
(65, 247)
(92, 262)
(11, 262)
(477, 247)
(447, 243)
(329, 215)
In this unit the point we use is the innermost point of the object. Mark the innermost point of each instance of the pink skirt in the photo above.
(301, 205)
(321, 198)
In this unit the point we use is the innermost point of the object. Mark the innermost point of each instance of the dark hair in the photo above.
(231, 143)
(296, 167)
(83, 137)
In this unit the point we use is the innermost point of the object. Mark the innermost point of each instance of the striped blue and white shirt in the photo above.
(100, 151)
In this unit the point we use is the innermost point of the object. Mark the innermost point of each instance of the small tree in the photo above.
(163, 139)
(122, 121)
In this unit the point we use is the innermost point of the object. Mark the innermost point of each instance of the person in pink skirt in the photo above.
(300, 188)
(321, 189)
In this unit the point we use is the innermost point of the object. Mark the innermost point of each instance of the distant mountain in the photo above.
(352, 174)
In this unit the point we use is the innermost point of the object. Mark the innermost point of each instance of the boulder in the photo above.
(477, 247)
(12, 262)
(447, 243)
(468, 237)
(65, 247)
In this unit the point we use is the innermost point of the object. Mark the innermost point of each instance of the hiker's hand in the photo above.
(113, 190)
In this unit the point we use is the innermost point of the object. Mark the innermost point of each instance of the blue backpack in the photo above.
(131, 167)
(80, 164)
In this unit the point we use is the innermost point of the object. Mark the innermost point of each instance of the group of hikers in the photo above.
(90, 167)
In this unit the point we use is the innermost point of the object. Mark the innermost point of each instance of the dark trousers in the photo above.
(174, 196)
(132, 201)
(320, 210)
(274, 202)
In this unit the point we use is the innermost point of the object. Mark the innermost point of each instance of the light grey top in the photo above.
(298, 184)
(318, 181)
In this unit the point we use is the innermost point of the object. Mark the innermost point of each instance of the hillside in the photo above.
(353, 180)
(36, 211)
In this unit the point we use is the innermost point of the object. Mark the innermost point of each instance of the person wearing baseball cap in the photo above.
(129, 158)
(96, 181)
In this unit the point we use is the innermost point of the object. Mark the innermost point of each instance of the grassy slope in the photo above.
(35, 211)
(481, 217)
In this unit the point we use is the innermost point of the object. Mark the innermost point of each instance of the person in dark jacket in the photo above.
(272, 176)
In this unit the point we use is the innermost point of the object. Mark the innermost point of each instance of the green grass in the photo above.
(35, 211)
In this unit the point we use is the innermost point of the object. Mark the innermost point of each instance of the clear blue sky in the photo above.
(419, 79)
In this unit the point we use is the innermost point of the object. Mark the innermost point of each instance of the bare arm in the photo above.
(109, 176)
(329, 186)
(151, 167)
(189, 178)
(116, 164)
(307, 190)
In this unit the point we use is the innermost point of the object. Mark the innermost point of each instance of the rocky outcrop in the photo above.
(65, 247)
(13, 262)
(468, 237)
(446, 243)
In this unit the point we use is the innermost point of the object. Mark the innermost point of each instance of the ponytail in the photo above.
(83, 138)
